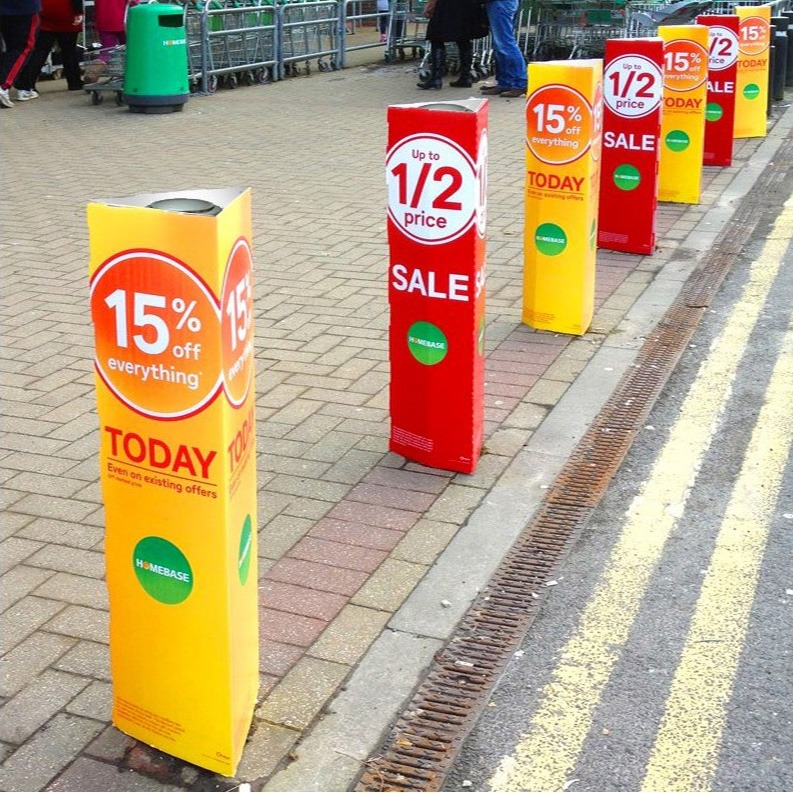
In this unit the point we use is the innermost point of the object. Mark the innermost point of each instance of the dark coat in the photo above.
(19, 7)
(457, 20)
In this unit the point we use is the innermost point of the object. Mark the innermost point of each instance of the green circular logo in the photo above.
(162, 570)
(244, 555)
(426, 343)
(713, 111)
(677, 140)
(751, 91)
(627, 177)
(550, 239)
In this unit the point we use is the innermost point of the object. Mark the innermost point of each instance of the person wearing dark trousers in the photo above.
(61, 22)
(19, 22)
(460, 21)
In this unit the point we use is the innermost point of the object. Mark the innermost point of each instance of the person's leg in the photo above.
(437, 64)
(26, 81)
(510, 65)
(107, 40)
(466, 79)
(19, 36)
(71, 60)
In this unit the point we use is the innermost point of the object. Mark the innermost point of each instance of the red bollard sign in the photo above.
(632, 91)
(722, 76)
(436, 169)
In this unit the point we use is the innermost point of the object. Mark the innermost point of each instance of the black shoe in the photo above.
(434, 80)
(509, 93)
(463, 81)
(491, 90)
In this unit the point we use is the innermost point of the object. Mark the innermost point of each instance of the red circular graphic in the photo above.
(237, 323)
(156, 334)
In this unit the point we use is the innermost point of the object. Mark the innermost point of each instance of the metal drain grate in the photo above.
(425, 740)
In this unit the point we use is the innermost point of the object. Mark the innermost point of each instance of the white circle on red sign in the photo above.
(722, 47)
(433, 188)
(632, 86)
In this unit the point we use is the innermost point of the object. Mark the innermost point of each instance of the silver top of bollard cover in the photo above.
(193, 206)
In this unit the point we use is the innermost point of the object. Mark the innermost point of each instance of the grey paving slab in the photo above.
(332, 755)
(26, 616)
(26, 712)
(23, 664)
(48, 752)
(86, 775)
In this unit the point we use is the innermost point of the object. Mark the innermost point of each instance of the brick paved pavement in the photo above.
(347, 530)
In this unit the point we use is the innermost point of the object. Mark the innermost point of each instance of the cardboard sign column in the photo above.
(172, 308)
(722, 74)
(632, 92)
(683, 119)
(564, 111)
(436, 171)
(751, 90)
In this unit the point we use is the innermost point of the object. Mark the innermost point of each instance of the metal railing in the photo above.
(255, 41)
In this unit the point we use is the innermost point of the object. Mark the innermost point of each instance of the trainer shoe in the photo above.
(5, 99)
(24, 95)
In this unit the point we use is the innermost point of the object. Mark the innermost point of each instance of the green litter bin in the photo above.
(155, 72)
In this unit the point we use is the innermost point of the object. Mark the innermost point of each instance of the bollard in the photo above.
(771, 65)
(632, 91)
(683, 117)
(564, 112)
(782, 44)
(172, 309)
(751, 89)
(722, 74)
(788, 15)
(436, 171)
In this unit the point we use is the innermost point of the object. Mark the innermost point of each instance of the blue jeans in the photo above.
(510, 65)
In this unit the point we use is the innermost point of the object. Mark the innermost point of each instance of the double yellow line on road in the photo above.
(686, 749)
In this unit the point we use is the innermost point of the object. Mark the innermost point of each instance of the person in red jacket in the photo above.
(110, 17)
(61, 22)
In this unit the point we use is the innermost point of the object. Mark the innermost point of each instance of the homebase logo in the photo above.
(677, 140)
(162, 570)
(550, 239)
(427, 343)
(244, 555)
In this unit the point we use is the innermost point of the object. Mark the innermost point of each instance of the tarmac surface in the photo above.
(367, 562)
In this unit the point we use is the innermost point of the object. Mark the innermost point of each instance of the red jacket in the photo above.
(60, 15)
(110, 15)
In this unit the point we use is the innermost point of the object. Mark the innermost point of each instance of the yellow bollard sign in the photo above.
(683, 116)
(751, 89)
(172, 308)
(564, 112)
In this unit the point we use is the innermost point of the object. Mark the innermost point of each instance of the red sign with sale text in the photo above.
(722, 75)
(632, 93)
(436, 173)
